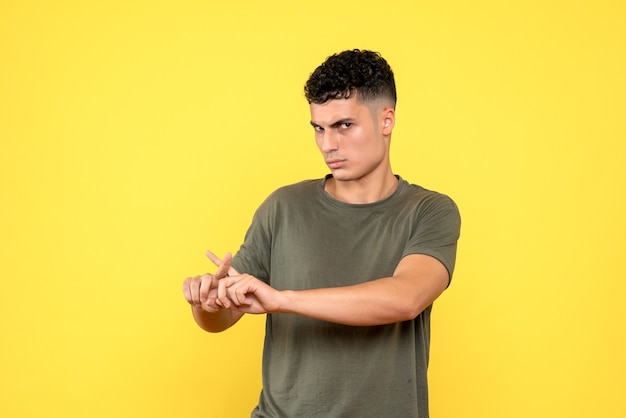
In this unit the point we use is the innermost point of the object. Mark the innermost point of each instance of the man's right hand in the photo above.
(201, 291)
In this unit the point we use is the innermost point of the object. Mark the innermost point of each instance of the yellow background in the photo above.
(136, 134)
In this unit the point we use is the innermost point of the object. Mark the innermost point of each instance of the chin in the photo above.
(343, 176)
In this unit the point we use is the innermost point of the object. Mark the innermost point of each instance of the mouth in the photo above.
(335, 162)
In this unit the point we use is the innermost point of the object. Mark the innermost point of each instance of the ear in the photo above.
(388, 120)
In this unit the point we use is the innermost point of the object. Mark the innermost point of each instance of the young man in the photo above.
(346, 267)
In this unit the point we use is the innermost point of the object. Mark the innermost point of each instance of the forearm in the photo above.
(377, 302)
(215, 322)
(417, 282)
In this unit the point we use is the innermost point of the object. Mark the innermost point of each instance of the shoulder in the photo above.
(286, 202)
(294, 192)
(423, 197)
(300, 193)
(428, 207)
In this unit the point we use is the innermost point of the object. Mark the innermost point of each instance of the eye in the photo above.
(346, 125)
(318, 128)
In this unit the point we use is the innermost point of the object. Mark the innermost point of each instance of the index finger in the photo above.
(218, 262)
(222, 269)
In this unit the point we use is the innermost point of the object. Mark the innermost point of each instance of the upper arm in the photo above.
(424, 277)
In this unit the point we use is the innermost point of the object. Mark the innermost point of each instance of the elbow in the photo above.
(411, 310)
(409, 313)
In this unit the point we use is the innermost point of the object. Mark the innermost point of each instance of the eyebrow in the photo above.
(334, 124)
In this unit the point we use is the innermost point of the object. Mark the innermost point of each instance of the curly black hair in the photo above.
(363, 72)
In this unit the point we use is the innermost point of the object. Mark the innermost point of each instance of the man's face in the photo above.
(353, 137)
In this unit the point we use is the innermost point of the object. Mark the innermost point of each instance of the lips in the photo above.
(335, 162)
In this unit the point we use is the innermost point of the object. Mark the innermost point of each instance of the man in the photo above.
(346, 267)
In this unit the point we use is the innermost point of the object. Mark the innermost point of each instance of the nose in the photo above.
(329, 142)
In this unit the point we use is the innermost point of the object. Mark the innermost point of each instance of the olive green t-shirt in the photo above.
(302, 238)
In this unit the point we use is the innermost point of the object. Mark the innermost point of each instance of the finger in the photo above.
(233, 294)
(238, 292)
(210, 305)
(214, 259)
(194, 289)
(205, 286)
(218, 262)
(222, 270)
(222, 297)
(186, 290)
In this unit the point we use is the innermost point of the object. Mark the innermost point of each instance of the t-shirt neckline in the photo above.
(345, 205)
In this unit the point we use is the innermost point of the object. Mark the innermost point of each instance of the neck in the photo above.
(362, 191)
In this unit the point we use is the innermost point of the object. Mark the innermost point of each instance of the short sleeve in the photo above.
(254, 255)
(436, 230)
